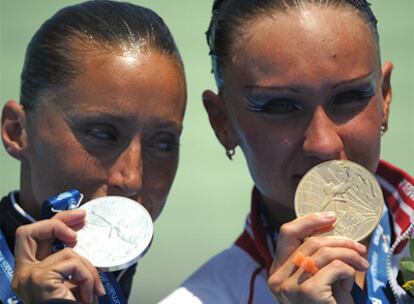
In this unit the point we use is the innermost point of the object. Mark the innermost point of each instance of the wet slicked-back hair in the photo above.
(229, 16)
(56, 52)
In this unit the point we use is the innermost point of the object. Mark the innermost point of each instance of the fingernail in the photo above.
(102, 289)
(365, 263)
(327, 215)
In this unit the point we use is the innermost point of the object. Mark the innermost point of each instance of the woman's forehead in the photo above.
(312, 40)
(148, 84)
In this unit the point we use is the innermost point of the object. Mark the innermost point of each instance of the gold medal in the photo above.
(346, 188)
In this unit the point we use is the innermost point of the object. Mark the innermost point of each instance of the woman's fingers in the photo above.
(351, 257)
(41, 274)
(314, 269)
(293, 233)
(325, 269)
(47, 279)
(70, 217)
(338, 279)
(34, 241)
(331, 284)
(85, 272)
(324, 250)
(98, 288)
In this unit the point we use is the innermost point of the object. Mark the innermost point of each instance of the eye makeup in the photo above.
(102, 132)
(271, 104)
(355, 95)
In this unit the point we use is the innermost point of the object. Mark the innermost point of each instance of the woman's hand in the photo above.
(40, 274)
(336, 259)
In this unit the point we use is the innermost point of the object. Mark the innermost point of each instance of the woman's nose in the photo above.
(126, 174)
(322, 139)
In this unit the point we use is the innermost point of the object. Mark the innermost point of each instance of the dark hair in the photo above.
(53, 56)
(229, 15)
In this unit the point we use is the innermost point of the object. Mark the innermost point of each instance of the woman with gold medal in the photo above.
(301, 82)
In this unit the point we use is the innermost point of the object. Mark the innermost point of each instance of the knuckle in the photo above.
(325, 252)
(349, 243)
(275, 283)
(285, 229)
(343, 267)
(22, 231)
(306, 289)
(288, 229)
(54, 223)
(67, 251)
(87, 277)
(35, 273)
(314, 242)
(337, 264)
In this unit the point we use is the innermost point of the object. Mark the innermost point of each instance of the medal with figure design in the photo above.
(347, 189)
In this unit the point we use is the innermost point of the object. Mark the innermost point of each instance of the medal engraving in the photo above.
(117, 232)
(346, 188)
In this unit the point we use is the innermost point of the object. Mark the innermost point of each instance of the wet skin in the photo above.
(114, 130)
(299, 89)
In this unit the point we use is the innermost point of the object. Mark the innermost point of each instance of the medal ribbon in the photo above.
(6, 273)
(378, 291)
(71, 200)
(377, 282)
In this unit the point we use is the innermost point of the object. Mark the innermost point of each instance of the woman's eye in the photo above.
(274, 106)
(165, 146)
(101, 133)
(280, 107)
(351, 99)
(164, 143)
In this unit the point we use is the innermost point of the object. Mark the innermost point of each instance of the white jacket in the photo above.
(239, 274)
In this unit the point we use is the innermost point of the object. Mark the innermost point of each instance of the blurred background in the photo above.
(210, 197)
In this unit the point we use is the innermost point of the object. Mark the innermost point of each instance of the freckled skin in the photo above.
(65, 147)
(311, 51)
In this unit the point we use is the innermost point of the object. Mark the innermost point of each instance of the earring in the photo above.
(384, 128)
(230, 153)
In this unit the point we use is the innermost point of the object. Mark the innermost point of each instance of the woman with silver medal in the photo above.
(100, 116)
(301, 85)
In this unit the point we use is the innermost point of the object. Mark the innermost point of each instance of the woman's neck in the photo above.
(278, 214)
(26, 196)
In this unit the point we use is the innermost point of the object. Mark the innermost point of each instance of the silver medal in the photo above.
(117, 232)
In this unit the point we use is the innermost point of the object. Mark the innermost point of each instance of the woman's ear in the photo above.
(386, 93)
(219, 119)
(13, 129)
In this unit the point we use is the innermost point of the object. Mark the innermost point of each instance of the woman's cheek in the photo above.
(362, 145)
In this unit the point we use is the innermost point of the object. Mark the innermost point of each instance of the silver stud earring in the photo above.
(384, 128)
(230, 153)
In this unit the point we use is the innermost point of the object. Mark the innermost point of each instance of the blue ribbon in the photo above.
(70, 200)
(6, 272)
(377, 283)
(64, 201)
(113, 291)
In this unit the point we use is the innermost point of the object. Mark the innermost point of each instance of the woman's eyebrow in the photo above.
(270, 88)
(360, 79)
(166, 124)
(98, 116)
(295, 89)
